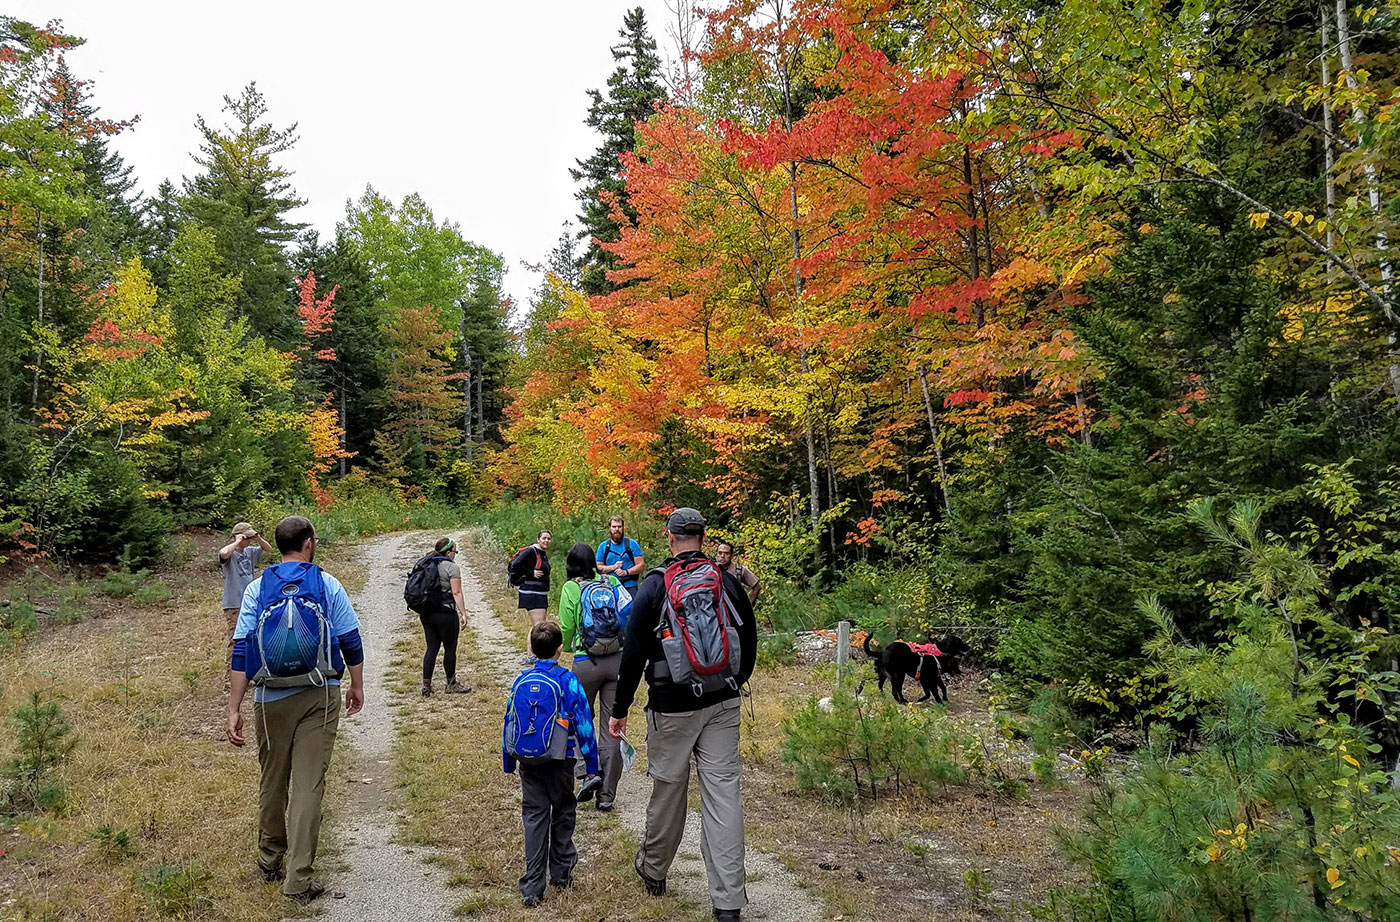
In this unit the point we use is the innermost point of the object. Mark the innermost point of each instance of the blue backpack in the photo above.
(291, 644)
(601, 617)
(536, 729)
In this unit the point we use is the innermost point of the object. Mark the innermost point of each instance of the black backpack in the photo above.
(423, 593)
(517, 573)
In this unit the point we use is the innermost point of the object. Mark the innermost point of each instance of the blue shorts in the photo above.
(533, 601)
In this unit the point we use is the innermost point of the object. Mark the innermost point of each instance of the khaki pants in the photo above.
(710, 736)
(295, 738)
(598, 677)
(231, 615)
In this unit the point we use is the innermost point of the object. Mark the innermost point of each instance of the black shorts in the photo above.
(533, 601)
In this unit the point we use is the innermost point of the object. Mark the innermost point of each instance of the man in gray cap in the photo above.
(692, 715)
(239, 560)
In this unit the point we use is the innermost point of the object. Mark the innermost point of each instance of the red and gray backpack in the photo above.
(698, 628)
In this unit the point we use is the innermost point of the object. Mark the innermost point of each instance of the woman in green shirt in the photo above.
(596, 671)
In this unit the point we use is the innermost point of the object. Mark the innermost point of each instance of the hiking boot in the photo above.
(457, 688)
(726, 915)
(269, 875)
(604, 806)
(313, 890)
(427, 689)
(563, 883)
(654, 887)
(530, 902)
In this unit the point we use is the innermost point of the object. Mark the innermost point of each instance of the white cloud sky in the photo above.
(477, 106)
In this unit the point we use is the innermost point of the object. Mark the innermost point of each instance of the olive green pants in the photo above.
(295, 737)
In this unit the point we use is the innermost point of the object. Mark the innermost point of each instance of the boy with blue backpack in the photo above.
(545, 713)
(296, 637)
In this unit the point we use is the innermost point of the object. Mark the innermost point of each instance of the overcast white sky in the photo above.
(478, 106)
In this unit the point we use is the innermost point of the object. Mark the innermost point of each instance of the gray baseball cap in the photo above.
(686, 521)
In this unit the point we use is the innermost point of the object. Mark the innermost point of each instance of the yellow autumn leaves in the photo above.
(1258, 219)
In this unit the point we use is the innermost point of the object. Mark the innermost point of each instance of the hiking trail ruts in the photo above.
(774, 892)
(382, 880)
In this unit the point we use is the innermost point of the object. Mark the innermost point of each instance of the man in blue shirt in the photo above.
(296, 725)
(620, 556)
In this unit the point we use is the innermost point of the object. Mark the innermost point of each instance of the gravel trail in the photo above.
(381, 880)
(775, 895)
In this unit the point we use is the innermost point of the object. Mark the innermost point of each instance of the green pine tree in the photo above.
(115, 223)
(244, 197)
(634, 90)
(164, 215)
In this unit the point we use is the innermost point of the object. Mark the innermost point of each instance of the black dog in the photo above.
(898, 660)
(951, 650)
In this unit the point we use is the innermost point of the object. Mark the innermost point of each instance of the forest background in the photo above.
(1070, 326)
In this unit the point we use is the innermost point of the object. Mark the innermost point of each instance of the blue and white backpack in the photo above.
(536, 729)
(602, 617)
(291, 644)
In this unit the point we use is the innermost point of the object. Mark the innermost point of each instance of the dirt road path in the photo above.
(381, 880)
(774, 892)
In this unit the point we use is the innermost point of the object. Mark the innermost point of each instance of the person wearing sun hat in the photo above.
(238, 560)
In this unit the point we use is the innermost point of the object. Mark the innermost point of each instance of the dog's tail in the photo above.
(865, 645)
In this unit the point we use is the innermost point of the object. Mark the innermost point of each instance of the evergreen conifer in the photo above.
(244, 197)
(634, 90)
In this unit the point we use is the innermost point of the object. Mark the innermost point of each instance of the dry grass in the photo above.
(143, 687)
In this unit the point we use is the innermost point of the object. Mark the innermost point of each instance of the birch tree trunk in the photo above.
(467, 441)
(1373, 196)
(937, 437)
(1329, 155)
(39, 345)
(480, 404)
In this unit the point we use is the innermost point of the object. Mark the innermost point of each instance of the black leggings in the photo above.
(440, 630)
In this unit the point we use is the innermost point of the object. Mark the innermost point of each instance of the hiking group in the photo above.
(687, 627)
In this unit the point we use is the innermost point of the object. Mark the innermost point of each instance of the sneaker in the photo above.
(313, 890)
(590, 786)
(604, 807)
(427, 689)
(726, 915)
(530, 902)
(269, 875)
(654, 887)
(457, 688)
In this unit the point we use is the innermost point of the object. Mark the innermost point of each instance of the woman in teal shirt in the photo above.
(596, 672)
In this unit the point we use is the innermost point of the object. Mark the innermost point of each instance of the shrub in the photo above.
(851, 749)
(100, 510)
(17, 621)
(137, 586)
(70, 602)
(1280, 810)
(113, 843)
(176, 890)
(43, 742)
(776, 650)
